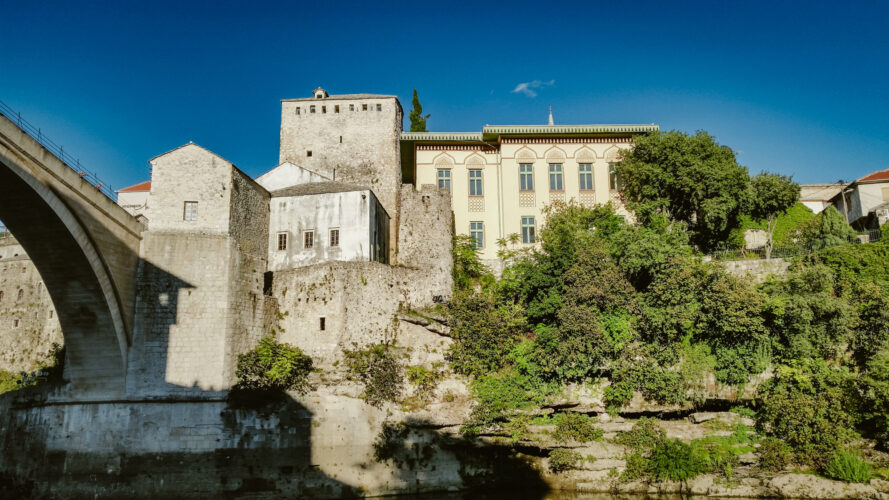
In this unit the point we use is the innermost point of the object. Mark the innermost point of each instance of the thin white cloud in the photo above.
(528, 88)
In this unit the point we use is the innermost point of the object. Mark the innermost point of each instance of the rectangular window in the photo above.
(475, 182)
(15, 323)
(308, 239)
(555, 177)
(477, 234)
(885, 192)
(444, 179)
(614, 180)
(351, 107)
(190, 211)
(334, 237)
(50, 314)
(379, 107)
(528, 229)
(297, 110)
(312, 108)
(526, 177)
(322, 323)
(324, 109)
(586, 176)
(282, 241)
(364, 107)
(336, 109)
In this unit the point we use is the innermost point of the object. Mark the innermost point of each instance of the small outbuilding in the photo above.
(326, 221)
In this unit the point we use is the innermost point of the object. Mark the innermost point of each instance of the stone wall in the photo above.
(358, 301)
(28, 325)
(190, 173)
(756, 269)
(426, 229)
(249, 215)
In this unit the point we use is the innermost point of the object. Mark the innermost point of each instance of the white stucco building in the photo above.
(864, 198)
(326, 221)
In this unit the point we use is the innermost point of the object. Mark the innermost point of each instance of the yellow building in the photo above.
(501, 178)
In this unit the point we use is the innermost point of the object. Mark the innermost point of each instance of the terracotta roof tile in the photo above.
(142, 186)
(879, 175)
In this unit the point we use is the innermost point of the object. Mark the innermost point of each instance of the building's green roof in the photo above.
(441, 136)
(492, 132)
(496, 130)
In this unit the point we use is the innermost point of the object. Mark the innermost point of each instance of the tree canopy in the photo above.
(418, 121)
(773, 194)
(692, 178)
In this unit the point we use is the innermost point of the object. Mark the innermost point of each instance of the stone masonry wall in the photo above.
(249, 217)
(190, 173)
(28, 325)
(426, 229)
(358, 301)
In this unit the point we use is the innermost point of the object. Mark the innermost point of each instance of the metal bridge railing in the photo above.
(56, 149)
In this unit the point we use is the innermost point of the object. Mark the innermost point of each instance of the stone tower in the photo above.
(351, 138)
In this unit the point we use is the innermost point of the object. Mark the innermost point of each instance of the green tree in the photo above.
(773, 194)
(827, 230)
(692, 178)
(271, 366)
(418, 121)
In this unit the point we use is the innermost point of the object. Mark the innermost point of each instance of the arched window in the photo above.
(21, 294)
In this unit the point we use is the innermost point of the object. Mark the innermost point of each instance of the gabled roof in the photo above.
(142, 186)
(190, 143)
(819, 192)
(879, 175)
(318, 188)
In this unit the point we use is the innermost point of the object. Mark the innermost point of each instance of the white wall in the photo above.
(134, 202)
(352, 212)
(287, 175)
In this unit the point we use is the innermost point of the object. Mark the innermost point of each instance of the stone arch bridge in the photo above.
(86, 249)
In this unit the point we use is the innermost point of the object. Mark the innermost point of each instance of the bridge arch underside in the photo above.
(67, 260)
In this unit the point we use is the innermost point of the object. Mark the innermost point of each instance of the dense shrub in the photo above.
(502, 396)
(674, 460)
(875, 396)
(378, 368)
(811, 406)
(848, 466)
(806, 316)
(638, 369)
(774, 455)
(576, 427)
(645, 435)
(272, 366)
(485, 332)
(561, 459)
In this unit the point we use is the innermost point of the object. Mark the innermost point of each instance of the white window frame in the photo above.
(279, 241)
(529, 230)
(585, 172)
(556, 177)
(446, 178)
(526, 177)
(476, 177)
(330, 238)
(190, 215)
(309, 239)
(477, 227)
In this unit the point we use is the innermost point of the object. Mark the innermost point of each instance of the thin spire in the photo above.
(550, 116)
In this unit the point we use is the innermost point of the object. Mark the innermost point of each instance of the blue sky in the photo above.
(800, 88)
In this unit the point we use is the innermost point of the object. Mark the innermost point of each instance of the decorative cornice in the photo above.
(456, 147)
(566, 140)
